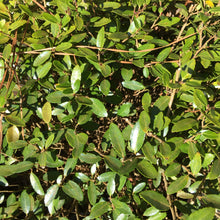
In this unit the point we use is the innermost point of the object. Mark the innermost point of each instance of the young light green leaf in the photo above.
(43, 70)
(117, 139)
(47, 112)
(63, 46)
(49, 17)
(26, 9)
(17, 24)
(99, 209)
(144, 121)
(155, 199)
(92, 193)
(49, 140)
(25, 202)
(7, 51)
(41, 58)
(196, 164)
(215, 170)
(177, 185)
(51, 194)
(98, 108)
(173, 170)
(35, 182)
(146, 101)
(12, 134)
(73, 190)
(76, 79)
(147, 169)
(100, 41)
(199, 99)
(137, 137)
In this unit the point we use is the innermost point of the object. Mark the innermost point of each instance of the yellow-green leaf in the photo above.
(12, 134)
(47, 112)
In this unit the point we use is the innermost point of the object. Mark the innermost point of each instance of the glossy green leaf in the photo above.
(100, 41)
(25, 202)
(98, 108)
(184, 124)
(155, 199)
(50, 194)
(12, 134)
(99, 209)
(76, 79)
(196, 164)
(69, 166)
(167, 22)
(139, 187)
(133, 85)
(49, 140)
(41, 58)
(147, 169)
(120, 206)
(35, 183)
(49, 17)
(117, 139)
(43, 70)
(177, 185)
(46, 112)
(73, 190)
(15, 120)
(17, 24)
(111, 186)
(63, 46)
(163, 54)
(137, 137)
(92, 193)
(202, 214)
(84, 178)
(26, 9)
(102, 22)
(89, 158)
(3, 181)
(128, 166)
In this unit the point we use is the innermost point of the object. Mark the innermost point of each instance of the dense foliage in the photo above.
(109, 109)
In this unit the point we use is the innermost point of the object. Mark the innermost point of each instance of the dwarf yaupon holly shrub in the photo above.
(109, 109)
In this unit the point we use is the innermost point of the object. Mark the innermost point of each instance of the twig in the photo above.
(168, 197)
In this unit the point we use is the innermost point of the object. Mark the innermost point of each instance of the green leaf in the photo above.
(162, 102)
(7, 51)
(100, 41)
(41, 58)
(43, 70)
(102, 22)
(105, 69)
(199, 99)
(212, 200)
(92, 193)
(26, 9)
(149, 152)
(3, 181)
(173, 170)
(49, 140)
(35, 182)
(177, 185)
(137, 137)
(63, 46)
(47, 112)
(121, 207)
(76, 79)
(51, 194)
(111, 186)
(139, 187)
(12, 134)
(99, 209)
(202, 214)
(155, 199)
(146, 101)
(50, 18)
(117, 139)
(8, 170)
(147, 169)
(15, 120)
(184, 124)
(73, 190)
(69, 166)
(89, 158)
(25, 202)
(83, 100)
(215, 170)
(144, 121)
(196, 164)
(167, 22)
(163, 54)
(105, 87)
(128, 166)
(110, 5)
(17, 24)
(98, 108)
(113, 163)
